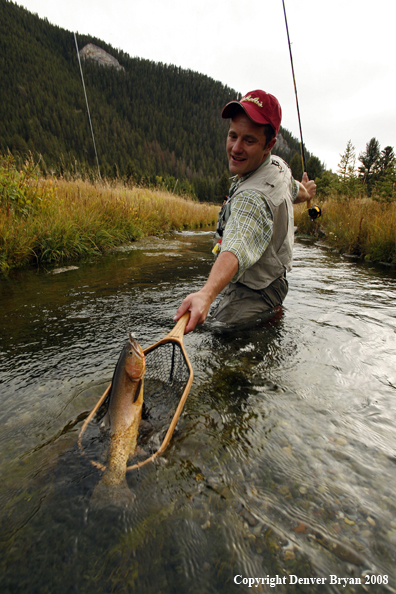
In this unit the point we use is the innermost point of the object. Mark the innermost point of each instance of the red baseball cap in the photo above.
(259, 106)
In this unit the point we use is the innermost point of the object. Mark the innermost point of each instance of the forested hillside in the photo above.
(150, 120)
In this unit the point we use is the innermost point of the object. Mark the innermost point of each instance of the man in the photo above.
(256, 225)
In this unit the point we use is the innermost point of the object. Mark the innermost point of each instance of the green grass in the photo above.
(49, 221)
(359, 226)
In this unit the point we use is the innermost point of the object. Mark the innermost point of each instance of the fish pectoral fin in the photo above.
(139, 388)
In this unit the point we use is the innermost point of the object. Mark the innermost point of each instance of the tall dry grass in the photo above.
(363, 227)
(67, 220)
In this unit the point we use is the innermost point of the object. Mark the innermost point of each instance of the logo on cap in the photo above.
(252, 100)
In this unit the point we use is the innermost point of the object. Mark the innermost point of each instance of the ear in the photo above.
(271, 144)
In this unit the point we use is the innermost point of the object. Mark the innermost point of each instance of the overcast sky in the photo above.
(343, 53)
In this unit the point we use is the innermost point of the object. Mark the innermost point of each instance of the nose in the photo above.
(237, 146)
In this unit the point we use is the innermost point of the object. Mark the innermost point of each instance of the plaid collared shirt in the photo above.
(249, 228)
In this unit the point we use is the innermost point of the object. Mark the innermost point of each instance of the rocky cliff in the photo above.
(93, 52)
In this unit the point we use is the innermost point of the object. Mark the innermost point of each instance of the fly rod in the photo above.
(86, 100)
(315, 211)
(295, 92)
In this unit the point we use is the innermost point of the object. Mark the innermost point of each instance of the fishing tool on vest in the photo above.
(220, 227)
(217, 248)
(167, 383)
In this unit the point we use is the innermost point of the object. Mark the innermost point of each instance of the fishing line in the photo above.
(86, 100)
(295, 92)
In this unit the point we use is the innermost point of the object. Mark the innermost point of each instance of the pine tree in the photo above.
(385, 185)
(368, 170)
(347, 176)
(346, 166)
(314, 168)
(296, 166)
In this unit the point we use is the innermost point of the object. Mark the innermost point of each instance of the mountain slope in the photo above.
(149, 119)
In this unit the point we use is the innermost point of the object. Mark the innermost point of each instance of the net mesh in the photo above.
(167, 374)
(167, 371)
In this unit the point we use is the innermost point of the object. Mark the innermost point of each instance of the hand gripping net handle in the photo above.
(167, 362)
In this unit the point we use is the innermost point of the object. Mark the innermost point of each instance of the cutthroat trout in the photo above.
(122, 418)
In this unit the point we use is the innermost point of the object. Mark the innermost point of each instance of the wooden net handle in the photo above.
(178, 331)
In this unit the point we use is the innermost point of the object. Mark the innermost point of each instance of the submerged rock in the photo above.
(65, 269)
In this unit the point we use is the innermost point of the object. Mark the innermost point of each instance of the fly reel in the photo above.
(314, 212)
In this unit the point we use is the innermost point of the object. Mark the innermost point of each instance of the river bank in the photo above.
(359, 227)
(46, 221)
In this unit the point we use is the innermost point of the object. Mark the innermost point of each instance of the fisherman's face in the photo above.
(246, 145)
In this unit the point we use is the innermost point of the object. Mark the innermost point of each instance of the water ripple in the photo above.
(282, 462)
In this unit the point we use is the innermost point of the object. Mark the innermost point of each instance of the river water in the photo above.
(281, 468)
